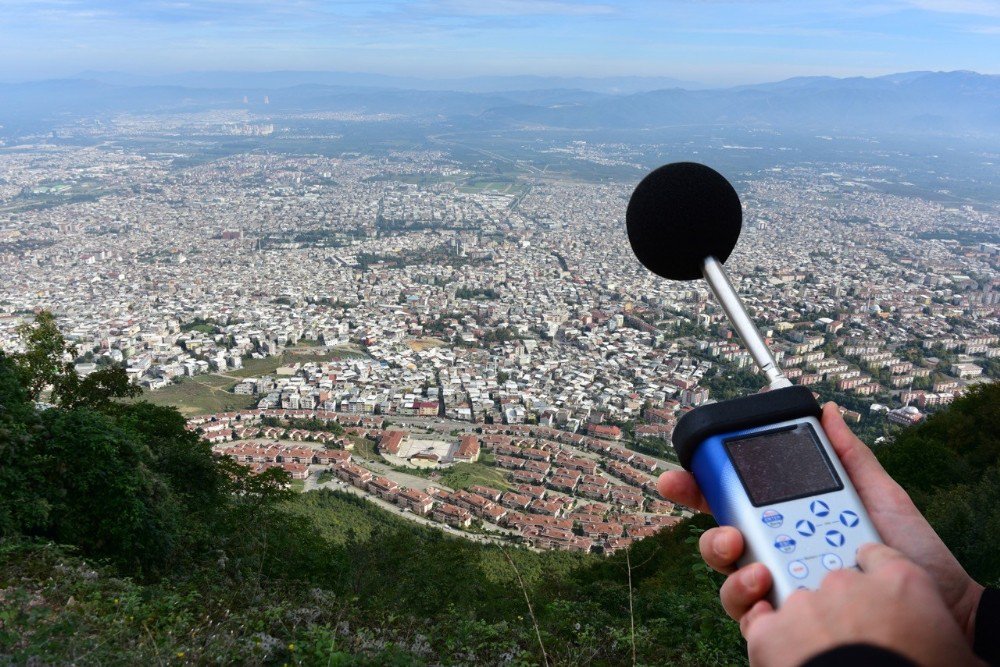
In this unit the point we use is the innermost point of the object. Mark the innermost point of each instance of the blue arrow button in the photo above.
(835, 538)
(849, 518)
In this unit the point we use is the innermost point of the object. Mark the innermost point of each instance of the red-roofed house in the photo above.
(468, 449)
(603, 431)
(390, 441)
(415, 500)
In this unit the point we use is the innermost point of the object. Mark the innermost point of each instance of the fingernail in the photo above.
(719, 547)
(749, 577)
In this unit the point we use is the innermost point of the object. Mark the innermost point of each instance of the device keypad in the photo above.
(822, 541)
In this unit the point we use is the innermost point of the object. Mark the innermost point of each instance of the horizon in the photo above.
(713, 44)
(127, 78)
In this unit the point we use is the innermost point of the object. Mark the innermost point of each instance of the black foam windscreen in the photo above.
(680, 214)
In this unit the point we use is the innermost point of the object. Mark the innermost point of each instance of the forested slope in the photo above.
(125, 542)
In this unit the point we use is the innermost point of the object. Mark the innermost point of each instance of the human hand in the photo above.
(895, 517)
(891, 603)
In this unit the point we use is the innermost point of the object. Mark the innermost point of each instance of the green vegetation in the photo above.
(306, 353)
(201, 325)
(464, 475)
(727, 383)
(499, 335)
(123, 482)
(346, 583)
(950, 465)
(199, 395)
(364, 448)
(485, 186)
(124, 541)
(476, 293)
(55, 194)
(655, 446)
(306, 424)
(441, 254)
(204, 394)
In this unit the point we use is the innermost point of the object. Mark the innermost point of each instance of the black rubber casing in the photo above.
(738, 414)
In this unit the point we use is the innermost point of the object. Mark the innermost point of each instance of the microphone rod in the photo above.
(718, 281)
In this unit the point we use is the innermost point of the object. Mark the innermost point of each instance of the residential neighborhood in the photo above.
(560, 490)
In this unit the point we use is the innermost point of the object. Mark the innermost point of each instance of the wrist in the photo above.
(966, 609)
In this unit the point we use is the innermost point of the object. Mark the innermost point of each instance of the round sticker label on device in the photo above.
(785, 544)
(772, 519)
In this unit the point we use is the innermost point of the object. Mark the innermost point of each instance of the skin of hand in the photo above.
(891, 603)
(896, 518)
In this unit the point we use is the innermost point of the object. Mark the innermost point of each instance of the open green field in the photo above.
(364, 448)
(203, 394)
(464, 475)
(422, 180)
(301, 354)
(200, 395)
(497, 187)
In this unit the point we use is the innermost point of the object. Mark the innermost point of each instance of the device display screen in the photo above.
(783, 464)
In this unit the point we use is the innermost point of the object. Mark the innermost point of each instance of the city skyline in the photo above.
(708, 43)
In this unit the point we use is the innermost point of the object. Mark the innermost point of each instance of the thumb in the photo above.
(760, 610)
(872, 557)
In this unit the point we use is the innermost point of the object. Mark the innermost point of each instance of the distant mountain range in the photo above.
(940, 103)
(478, 84)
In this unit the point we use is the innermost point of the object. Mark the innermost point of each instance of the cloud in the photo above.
(523, 8)
(973, 7)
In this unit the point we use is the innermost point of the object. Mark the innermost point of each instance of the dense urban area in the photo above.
(469, 347)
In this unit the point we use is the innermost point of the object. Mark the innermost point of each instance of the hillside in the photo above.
(370, 590)
(125, 542)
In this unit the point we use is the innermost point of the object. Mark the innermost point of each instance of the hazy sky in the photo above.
(712, 41)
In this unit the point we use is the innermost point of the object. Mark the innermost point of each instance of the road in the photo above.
(339, 485)
(402, 478)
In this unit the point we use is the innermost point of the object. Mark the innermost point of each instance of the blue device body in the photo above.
(802, 527)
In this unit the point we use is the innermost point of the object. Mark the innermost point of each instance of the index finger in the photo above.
(679, 486)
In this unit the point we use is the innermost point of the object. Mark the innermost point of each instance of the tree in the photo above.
(21, 506)
(96, 390)
(126, 482)
(950, 466)
(41, 364)
(44, 363)
(105, 497)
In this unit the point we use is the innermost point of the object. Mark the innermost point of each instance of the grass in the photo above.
(217, 381)
(203, 328)
(418, 344)
(364, 448)
(204, 394)
(201, 394)
(493, 187)
(302, 354)
(464, 475)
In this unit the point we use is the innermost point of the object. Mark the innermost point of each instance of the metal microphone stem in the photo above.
(717, 279)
